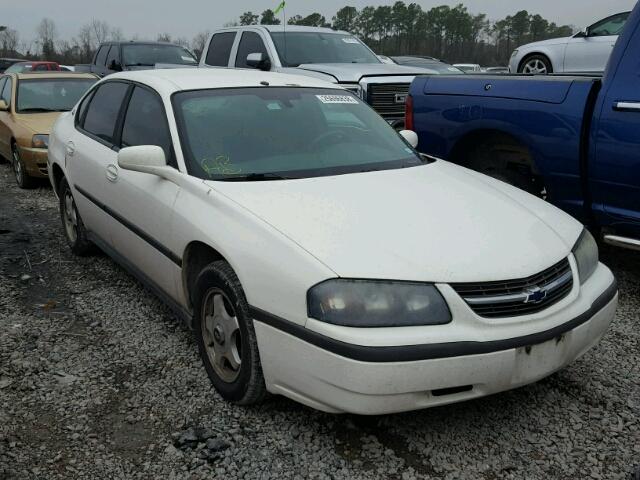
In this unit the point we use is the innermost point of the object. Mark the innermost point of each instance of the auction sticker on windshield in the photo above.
(337, 99)
(350, 40)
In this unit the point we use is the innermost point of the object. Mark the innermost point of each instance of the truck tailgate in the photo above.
(547, 89)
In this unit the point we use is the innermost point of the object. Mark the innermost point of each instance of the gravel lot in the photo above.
(99, 380)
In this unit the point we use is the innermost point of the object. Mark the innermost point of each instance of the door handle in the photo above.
(627, 106)
(70, 148)
(111, 172)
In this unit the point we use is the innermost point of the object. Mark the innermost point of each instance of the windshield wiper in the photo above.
(254, 177)
(41, 109)
(139, 64)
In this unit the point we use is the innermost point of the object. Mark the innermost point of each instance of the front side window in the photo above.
(297, 48)
(102, 112)
(609, 26)
(102, 55)
(220, 49)
(113, 55)
(49, 94)
(249, 43)
(279, 132)
(6, 92)
(147, 55)
(145, 122)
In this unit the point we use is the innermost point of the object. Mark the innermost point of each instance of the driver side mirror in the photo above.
(147, 159)
(582, 33)
(410, 137)
(259, 61)
(3, 106)
(115, 66)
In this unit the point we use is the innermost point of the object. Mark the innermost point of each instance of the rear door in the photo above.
(142, 203)
(614, 167)
(591, 53)
(91, 157)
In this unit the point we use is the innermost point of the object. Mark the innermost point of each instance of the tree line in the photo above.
(450, 33)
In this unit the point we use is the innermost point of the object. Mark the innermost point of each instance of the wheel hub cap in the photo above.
(221, 335)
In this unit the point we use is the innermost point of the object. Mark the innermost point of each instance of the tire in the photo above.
(503, 159)
(74, 230)
(20, 173)
(536, 65)
(226, 337)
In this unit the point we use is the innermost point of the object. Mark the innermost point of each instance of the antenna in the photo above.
(284, 31)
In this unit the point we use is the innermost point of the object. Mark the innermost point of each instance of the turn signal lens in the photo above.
(40, 141)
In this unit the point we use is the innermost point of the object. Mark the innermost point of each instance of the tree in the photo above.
(46, 34)
(164, 37)
(269, 18)
(199, 42)
(248, 18)
(9, 41)
(313, 20)
(345, 19)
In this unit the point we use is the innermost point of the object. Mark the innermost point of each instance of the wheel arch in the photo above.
(196, 256)
(58, 175)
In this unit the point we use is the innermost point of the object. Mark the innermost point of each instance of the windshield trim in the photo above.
(290, 174)
(33, 80)
(286, 64)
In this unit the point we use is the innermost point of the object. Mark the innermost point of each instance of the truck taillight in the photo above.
(408, 113)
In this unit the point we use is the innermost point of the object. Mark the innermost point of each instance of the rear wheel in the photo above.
(536, 65)
(226, 337)
(72, 225)
(22, 177)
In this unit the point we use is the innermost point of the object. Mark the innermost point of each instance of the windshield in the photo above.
(19, 68)
(49, 94)
(284, 132)
(296, 48)
(149, 54)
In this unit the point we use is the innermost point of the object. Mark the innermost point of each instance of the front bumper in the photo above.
(342, 377)
(34, 161)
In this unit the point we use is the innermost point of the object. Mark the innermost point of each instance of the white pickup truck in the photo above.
(330, 55)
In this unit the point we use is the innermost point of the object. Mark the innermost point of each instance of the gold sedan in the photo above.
(30, 103)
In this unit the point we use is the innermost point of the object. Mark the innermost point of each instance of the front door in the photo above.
(5, 131)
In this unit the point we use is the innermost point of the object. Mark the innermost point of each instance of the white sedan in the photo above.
(587, 51)
(315, 254)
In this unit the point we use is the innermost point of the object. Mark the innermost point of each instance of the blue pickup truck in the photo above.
(574, 140)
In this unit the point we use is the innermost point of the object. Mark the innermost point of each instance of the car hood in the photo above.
(436, 222)
(38, 122)
(546, 43)
(354, 72)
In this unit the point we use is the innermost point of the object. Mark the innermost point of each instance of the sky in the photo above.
(185, 18)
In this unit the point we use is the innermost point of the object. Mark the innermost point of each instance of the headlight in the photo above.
(515, 52)
(377, 303)
(585, 252)
(40, 141)
(354, 88)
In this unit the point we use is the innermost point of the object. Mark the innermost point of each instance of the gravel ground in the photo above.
(99, 380)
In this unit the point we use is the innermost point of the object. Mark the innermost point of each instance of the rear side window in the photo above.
(102, 55)
(102, 112)
(249, 43)
(145, 122)
(220, 49)
(41, 67)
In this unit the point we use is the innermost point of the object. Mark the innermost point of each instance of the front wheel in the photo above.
(22, 177)
(226, 337)
(536, 65)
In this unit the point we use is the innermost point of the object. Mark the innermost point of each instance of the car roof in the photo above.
(289, 28)
(52, 74)
(170, 80)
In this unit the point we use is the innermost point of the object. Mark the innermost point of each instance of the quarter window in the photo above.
(102, 112)
(220, 49)
(249, 43)
(145, 122)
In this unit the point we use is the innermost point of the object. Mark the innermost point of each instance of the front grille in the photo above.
(382, 97)
(512, 298)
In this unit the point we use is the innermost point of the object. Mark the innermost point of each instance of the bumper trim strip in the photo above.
(412, 353)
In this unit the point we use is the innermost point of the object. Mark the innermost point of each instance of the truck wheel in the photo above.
(536, 65)
(225, 335)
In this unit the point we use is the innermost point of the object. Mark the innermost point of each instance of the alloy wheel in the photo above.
(17, 167)
(535, 66)
(70, 216)
(221, 335)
